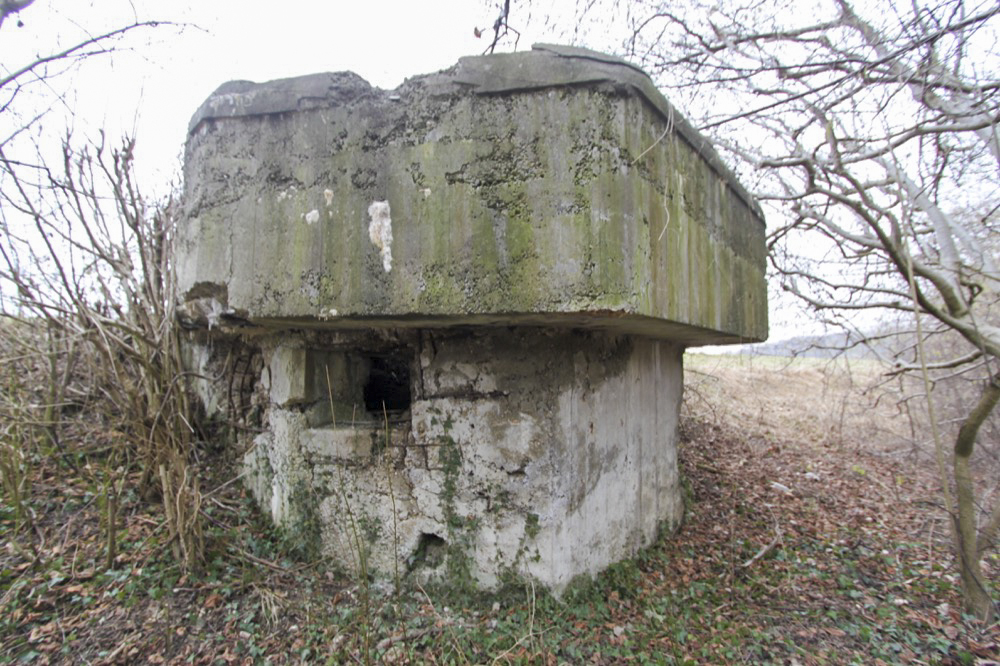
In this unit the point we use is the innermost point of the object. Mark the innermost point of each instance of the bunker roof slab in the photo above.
(555, 187)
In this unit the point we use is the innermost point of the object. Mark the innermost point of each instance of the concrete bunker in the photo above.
(448, 320)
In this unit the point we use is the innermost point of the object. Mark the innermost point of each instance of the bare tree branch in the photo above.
(872, 133)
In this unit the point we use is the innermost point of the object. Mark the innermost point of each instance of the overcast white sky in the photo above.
(153, 86)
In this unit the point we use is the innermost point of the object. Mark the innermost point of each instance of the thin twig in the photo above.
(768, 548)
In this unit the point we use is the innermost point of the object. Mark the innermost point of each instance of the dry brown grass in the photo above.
(818, 403)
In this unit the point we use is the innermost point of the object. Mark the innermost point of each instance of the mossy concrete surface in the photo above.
(451, 317)
(551, 187)
(488, 474)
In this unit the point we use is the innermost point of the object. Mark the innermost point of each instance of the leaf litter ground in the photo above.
(813, 535)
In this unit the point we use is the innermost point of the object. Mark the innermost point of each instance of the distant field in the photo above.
(840, 402)
(770, 363)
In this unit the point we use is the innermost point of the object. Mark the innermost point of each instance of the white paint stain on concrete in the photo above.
(380, 231)
(312, 217)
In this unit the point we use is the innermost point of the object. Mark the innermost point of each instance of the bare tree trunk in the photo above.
(975, 589)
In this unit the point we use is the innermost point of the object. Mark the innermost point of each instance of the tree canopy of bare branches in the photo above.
(871, 133)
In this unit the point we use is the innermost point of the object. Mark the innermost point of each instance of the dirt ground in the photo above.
(814, 534)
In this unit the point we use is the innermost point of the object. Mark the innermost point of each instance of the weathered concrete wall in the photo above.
(454, 313)
(541, 452)
(539, 188)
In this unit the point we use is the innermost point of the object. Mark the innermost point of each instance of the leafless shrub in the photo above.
(93, 275)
